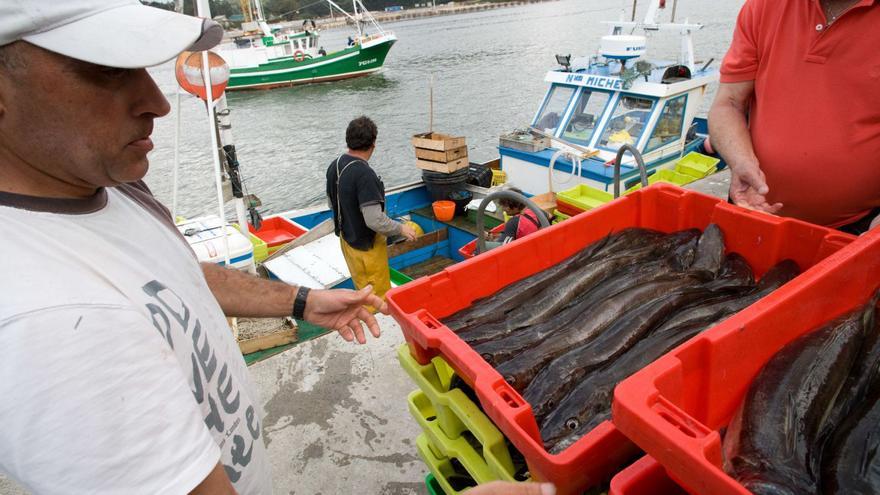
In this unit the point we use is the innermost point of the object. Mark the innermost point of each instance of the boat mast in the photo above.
(357, 18)
(685, 29)
(219, 135)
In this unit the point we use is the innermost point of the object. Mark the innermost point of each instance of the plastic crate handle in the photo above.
(687, 429)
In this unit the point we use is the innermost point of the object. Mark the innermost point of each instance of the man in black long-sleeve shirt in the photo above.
(357, 196)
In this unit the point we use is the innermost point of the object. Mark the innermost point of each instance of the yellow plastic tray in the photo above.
(665, 175)
(697, 165)
(584, 197)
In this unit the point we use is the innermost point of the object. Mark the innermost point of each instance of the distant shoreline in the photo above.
(383, 17)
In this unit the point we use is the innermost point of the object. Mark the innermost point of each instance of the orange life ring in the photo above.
(299, 55)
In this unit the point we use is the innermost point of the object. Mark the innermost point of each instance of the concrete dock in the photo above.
(336, 415)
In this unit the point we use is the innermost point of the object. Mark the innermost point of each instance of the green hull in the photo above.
(351, 62)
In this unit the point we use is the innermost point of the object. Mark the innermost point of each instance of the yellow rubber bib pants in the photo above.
(369, 267)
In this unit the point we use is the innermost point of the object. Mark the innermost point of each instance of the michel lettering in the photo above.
(214, 386)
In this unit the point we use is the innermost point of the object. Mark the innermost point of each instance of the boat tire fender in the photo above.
(299, 56)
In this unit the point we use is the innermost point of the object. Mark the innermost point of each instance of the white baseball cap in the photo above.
(115, 33)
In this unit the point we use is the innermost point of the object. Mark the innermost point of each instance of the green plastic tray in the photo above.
(584, 197)
(697, 165)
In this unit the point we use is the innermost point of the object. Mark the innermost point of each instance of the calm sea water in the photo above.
(488, 70)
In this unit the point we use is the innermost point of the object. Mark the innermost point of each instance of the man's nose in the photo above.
(150, 100)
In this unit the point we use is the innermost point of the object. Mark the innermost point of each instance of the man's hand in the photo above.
(408, 232)
(729, 130)
(510, 488)
(748, 188)
(343, 310)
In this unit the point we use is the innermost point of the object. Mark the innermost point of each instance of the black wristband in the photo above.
(299, 303)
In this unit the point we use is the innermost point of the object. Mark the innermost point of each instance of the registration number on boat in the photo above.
(366, 62)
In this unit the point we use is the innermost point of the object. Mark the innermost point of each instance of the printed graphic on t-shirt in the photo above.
(214, 386)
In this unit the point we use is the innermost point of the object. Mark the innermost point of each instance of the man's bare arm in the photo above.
(729, 132)
(217, 483)
(242, 294)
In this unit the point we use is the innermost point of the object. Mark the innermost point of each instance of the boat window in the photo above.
(669, 125)
(556, 103)
(296, 44)
(627, 122)
(586, 116)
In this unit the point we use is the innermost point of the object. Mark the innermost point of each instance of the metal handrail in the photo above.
(481, 240)
(643, 172)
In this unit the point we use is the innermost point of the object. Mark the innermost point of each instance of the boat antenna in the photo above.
(635, 3)
(674, 6)
(178, 7)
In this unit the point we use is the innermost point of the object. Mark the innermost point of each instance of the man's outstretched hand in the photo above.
(344, 310)
(748, 188)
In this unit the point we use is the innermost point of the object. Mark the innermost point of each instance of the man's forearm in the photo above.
(378, 221)
(242, 294)
(729, 131)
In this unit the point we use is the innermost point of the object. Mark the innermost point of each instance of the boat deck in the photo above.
(428, 267)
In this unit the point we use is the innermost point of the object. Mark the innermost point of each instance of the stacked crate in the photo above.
(658, 411)
(458, 443)
(440, 152)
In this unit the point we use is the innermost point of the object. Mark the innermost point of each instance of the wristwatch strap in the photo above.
(299, 303)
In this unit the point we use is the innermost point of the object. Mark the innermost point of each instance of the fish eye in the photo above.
(572, 423)
(510, 379)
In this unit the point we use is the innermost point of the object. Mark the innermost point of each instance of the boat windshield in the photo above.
(627, 122)
(554, 107)
(587, 113)
(669, 125)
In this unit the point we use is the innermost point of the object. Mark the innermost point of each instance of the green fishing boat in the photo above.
(272, 58)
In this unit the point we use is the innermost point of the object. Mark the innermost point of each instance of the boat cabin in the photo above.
(595, 105)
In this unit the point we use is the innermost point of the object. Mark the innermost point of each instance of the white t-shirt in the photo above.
(118, 371)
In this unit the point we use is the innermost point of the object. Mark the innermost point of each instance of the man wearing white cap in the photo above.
(118, 373)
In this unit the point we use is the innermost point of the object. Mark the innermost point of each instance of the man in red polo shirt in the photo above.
(797, 116)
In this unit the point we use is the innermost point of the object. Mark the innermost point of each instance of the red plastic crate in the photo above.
(644, 477)
(467, 251)
(674, 407)
(419, 305)
(277, 231)
(568, 209)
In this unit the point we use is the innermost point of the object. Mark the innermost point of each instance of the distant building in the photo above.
(394, 8)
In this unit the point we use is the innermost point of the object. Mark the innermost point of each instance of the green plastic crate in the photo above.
(446, 475)
(697, 165)
(584, 197)
(453, 423)
(433, 486)
(558, 216)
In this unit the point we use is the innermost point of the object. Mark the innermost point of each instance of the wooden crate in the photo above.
(442, 156)
(524, 142)
(437, 142)
(263, 342)
(446, 168)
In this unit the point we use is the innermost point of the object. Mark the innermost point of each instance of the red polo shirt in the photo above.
(815, 116)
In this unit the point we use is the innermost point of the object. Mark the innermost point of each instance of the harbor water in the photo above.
(488, 70)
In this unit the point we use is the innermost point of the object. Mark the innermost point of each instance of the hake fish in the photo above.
(520, 370)
(770, 442)
(589, 402)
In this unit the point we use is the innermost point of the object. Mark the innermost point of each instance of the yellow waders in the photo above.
(369, 267)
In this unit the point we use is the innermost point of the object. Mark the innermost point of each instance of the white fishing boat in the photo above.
(595, 105)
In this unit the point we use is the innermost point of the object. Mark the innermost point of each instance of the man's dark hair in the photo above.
(512, 203)
(361, 134)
